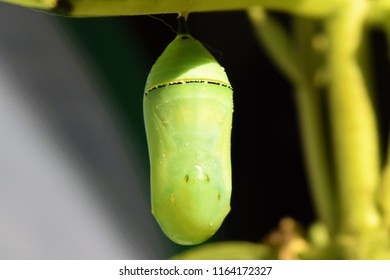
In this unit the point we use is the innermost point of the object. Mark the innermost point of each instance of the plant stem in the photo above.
(36, 4)
(353, 123)
(312, 133)
(308, 97)
(96, 8)
(274, 39)
(293, 62)
(378, 11)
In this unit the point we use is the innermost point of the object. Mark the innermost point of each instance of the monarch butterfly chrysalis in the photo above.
(188, 107)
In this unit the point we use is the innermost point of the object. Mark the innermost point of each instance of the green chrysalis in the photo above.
(188, 107)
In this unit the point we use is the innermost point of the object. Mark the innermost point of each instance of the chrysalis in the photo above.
(188, 107)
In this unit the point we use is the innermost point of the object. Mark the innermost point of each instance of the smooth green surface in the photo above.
(188, 128)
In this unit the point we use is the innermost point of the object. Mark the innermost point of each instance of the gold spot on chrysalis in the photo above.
(219, 195)
(187, 178)
(172, 198)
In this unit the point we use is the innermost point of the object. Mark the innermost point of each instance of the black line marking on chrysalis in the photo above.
(189, 81)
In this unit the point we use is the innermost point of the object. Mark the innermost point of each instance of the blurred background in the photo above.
(74, 171)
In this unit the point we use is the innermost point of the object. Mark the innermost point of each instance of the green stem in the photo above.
(312, 134)
(96, 8)
(309, 100)
(353, 122)
(36, 4)
(276, 42)
(280, 48)
(378, 11)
